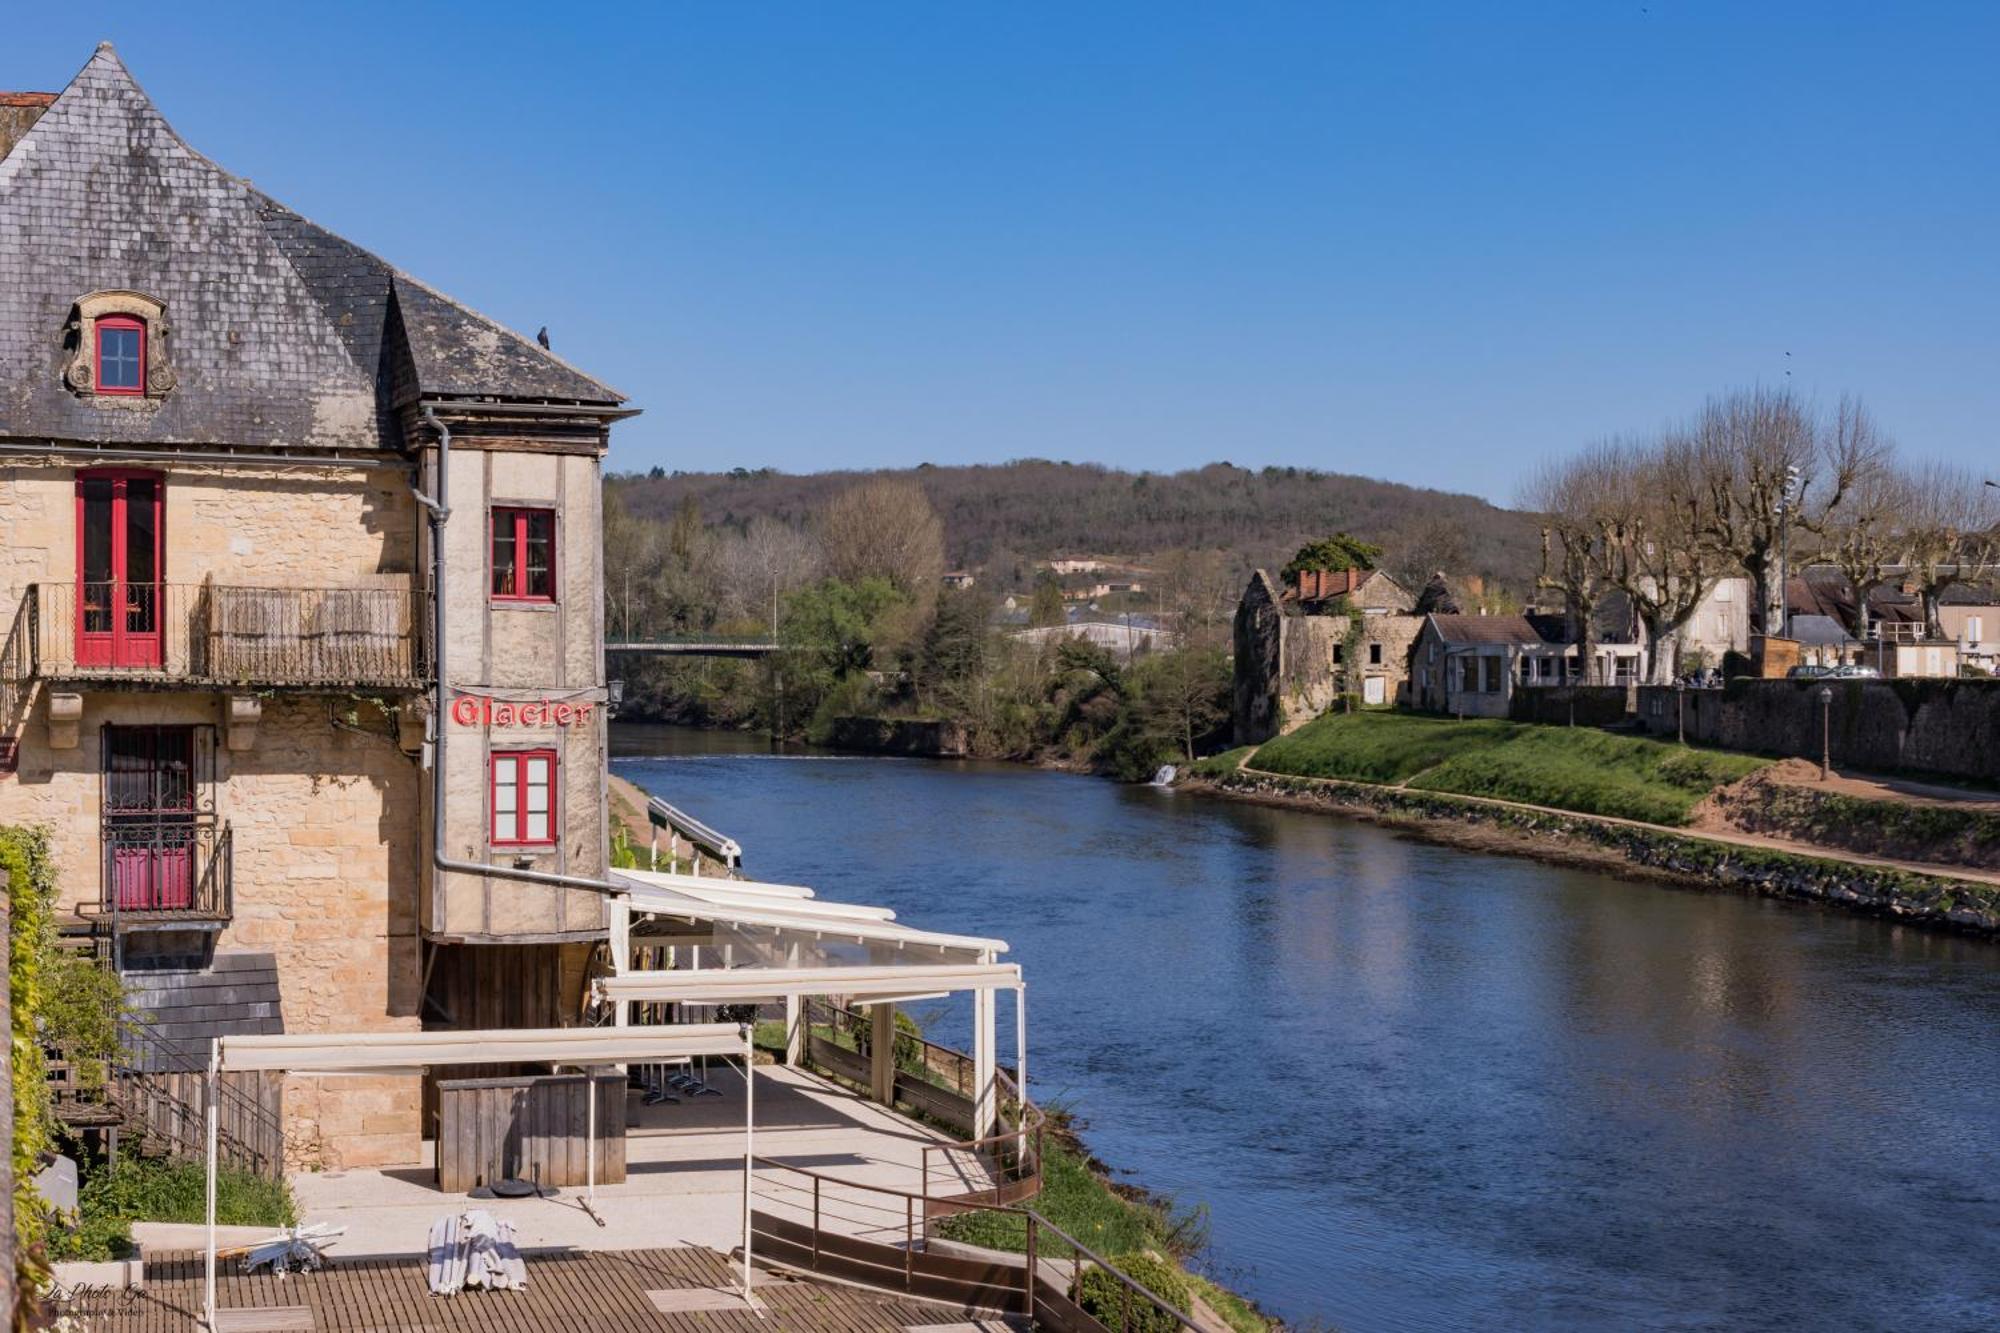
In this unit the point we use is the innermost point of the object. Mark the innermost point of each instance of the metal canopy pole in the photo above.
(749, 1150)
(214, 1081)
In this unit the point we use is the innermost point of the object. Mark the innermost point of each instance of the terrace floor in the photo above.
(677, 1290)
(684, 1176)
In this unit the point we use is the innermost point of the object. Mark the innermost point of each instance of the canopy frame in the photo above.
(383, 1053)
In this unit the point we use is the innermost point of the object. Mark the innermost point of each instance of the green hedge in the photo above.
(1110, 1301)
(24, 859)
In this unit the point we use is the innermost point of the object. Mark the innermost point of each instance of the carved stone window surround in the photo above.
(80, 344)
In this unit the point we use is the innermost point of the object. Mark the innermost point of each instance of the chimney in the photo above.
(1353, 580)
(18, 114)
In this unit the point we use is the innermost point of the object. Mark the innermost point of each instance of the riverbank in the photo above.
(1969, 903)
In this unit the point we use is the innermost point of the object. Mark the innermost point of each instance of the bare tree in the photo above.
(1574, 497)
(885, 529)
(770, 559)
(1865, 535)
(1951, 533)
(1656, 546)
(1769, 470)
(1198, 591)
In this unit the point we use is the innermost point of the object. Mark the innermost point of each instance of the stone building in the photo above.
(245, 468)
(1292, 648)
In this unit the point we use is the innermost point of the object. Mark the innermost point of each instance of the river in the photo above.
(1422, 1088)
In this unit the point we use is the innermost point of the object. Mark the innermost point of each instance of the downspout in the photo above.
(439, 506)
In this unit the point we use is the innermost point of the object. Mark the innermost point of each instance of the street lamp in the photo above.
(1825, 730)
(1680, 709)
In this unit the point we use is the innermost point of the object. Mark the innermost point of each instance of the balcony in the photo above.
(223, 635)
(167, 872)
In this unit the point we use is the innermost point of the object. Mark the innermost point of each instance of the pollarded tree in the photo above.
(1951, 533)
(1768, 468)
(1865, 535)
(1575, 498)
(1655, 528)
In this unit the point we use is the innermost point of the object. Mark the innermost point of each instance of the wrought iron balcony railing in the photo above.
(228, 634)
(165, 870)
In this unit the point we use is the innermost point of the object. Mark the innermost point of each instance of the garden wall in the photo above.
(1558, 705)
(1938, 726)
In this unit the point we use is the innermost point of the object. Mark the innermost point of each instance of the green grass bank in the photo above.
(1580, 769)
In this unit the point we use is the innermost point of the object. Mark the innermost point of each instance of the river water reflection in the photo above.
(1421, 1088)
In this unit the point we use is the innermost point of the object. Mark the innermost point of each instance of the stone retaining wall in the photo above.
(1931, 725)
(1877, 890)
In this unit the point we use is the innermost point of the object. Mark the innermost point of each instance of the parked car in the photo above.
(1808, 671)
(1855, 671)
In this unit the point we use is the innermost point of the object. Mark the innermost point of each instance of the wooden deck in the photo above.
(583, 1291)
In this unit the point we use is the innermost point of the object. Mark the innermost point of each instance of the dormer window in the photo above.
(121, 354)
(117, 350)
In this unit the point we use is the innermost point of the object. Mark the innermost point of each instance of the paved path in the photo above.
(684, 1181)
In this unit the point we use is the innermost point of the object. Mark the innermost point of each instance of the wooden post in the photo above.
(882, 1053)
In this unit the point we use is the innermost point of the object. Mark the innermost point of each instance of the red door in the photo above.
(118, 569)
(149, 817)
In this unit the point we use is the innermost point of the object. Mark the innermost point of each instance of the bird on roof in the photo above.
(542, 337)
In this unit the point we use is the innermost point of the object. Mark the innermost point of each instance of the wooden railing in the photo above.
(819, 1223)
(218, 633)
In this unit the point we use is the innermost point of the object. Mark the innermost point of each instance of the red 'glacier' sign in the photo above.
(477, 710)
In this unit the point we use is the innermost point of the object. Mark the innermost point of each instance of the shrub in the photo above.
(120, 1191)
(1107, 1300)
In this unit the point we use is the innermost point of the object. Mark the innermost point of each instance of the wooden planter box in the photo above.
(528, 1127)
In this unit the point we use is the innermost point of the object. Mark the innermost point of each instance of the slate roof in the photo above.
(1470, 631)
(282, 333)
(1821, 632)
(236, 995)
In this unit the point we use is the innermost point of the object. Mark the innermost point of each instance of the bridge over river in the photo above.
(694, 645)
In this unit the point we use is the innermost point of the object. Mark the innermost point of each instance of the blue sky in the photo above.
(1426, 242)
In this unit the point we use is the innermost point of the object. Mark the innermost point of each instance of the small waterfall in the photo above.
(1165, 777)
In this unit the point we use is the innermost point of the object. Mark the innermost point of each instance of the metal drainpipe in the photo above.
(440, 511)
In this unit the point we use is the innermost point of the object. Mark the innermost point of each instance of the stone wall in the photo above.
(1561, 705)
(1950, 727)
(302, 527)
(523, 652)
(1929, 900)
(1289, 668)
(324, 825)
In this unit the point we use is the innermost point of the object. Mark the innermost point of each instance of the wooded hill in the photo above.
(1004, 519)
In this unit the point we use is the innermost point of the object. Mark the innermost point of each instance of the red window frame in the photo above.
(131, 324)
(516, 521)
(517, 834)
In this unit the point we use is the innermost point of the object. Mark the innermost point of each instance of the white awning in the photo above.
(779, 907)
(352, 1052)
(742, 984)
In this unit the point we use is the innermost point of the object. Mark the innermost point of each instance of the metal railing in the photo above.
(880, 1237)
(166, 869)
(158, 1089)
(1000, 1168)
(229, 634)
(17, 674)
